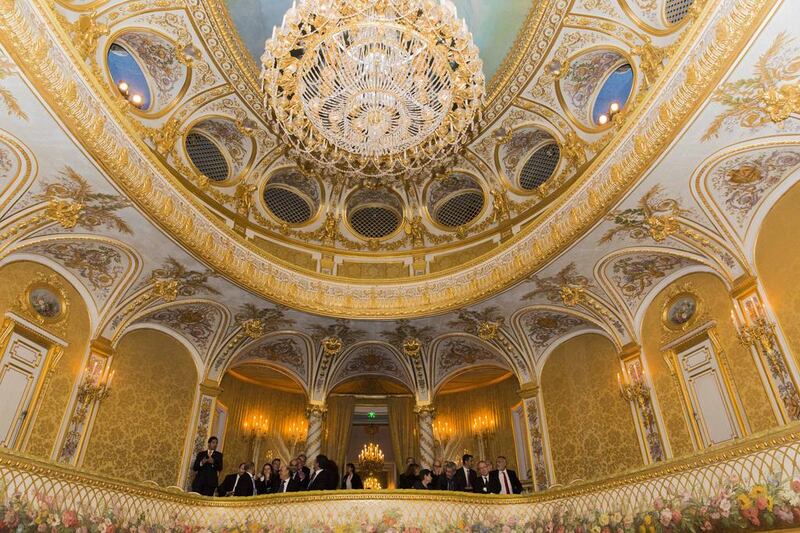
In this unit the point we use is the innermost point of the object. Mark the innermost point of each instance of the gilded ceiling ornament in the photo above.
(165, 136)
(572, 296)
(97, 209)
(331, 346)
(187, 282)
(244, 198)
(415, 231)
(65, 212)
(573, 149)
(376, 89)
(412, 347)
(745, 174)
(551, 287)
(86, 31)
(499, 205)
(487, 330)
(166, 289)
(651, 59)
(661, 227)
(770, 95)
(655, 217)
(7, 68)
(470, 321)
(253, 328)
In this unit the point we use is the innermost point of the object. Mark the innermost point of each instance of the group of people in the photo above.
(488, 479)
(275, 477)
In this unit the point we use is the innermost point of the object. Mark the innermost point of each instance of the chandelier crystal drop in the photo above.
(373, 88)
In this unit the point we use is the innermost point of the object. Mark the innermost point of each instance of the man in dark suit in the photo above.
(466, 478)
(320, 478)
(301, 462)
(246, 484)
(298, 480)
(229, 483)
(482, 485)
(447, 480)
(503, 480)
(284, 480)
(207, 465)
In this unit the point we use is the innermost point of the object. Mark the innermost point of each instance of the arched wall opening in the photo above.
(141, 428)
(265, 415)
(590, 426)
(474, 414)
(778, 263)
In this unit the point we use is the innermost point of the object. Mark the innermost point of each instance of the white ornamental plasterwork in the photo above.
(289, 351)
(371, 359)
(201, 323)
(734, 185)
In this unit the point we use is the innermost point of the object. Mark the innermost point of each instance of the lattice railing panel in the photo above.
(752, 461)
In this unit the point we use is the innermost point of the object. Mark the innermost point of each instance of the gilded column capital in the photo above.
(102, 346)
(744, 284)
(425, 409)
(528, 390)
(210, 388)
(630, 351)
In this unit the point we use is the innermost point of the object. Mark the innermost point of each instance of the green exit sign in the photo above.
(371, 414)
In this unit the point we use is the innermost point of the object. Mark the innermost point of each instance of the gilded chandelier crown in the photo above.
(374, 88)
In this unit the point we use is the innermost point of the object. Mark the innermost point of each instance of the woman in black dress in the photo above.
(264, 480)
(351, 479)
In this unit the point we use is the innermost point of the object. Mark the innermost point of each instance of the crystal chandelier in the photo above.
(371, 458)
(373, 88)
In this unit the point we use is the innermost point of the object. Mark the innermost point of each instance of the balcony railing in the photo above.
(754, 460)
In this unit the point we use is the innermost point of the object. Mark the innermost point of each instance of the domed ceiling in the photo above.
(182, 210)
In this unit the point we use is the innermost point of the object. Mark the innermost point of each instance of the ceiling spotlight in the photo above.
(602, 119)
(123, 87)
(136, 99)
(614, 107)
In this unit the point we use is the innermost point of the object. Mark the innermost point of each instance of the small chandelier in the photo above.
(370, 459)
(373, 88)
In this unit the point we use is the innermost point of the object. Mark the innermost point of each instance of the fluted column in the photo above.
(316, 416)
(425, 416)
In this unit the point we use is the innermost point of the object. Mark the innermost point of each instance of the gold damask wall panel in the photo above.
(280, 408)
(590, 426)
(778, 264)
(74, 330)
(141, 427)
(715, 304)
(459, 410)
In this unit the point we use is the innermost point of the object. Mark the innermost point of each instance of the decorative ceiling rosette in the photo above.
(373, 88)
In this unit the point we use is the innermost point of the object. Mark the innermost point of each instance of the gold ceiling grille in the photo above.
(539, 167)
(206, 157)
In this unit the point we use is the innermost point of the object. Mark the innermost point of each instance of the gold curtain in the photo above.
(403, 428)
(281, 409)
(338, 423)
(460, 409)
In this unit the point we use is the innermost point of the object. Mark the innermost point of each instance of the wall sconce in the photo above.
(92, 387)
(482, 425)
(134, 98)
(605, 118)
(637, 390)
(256, 428)
(443, 431)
